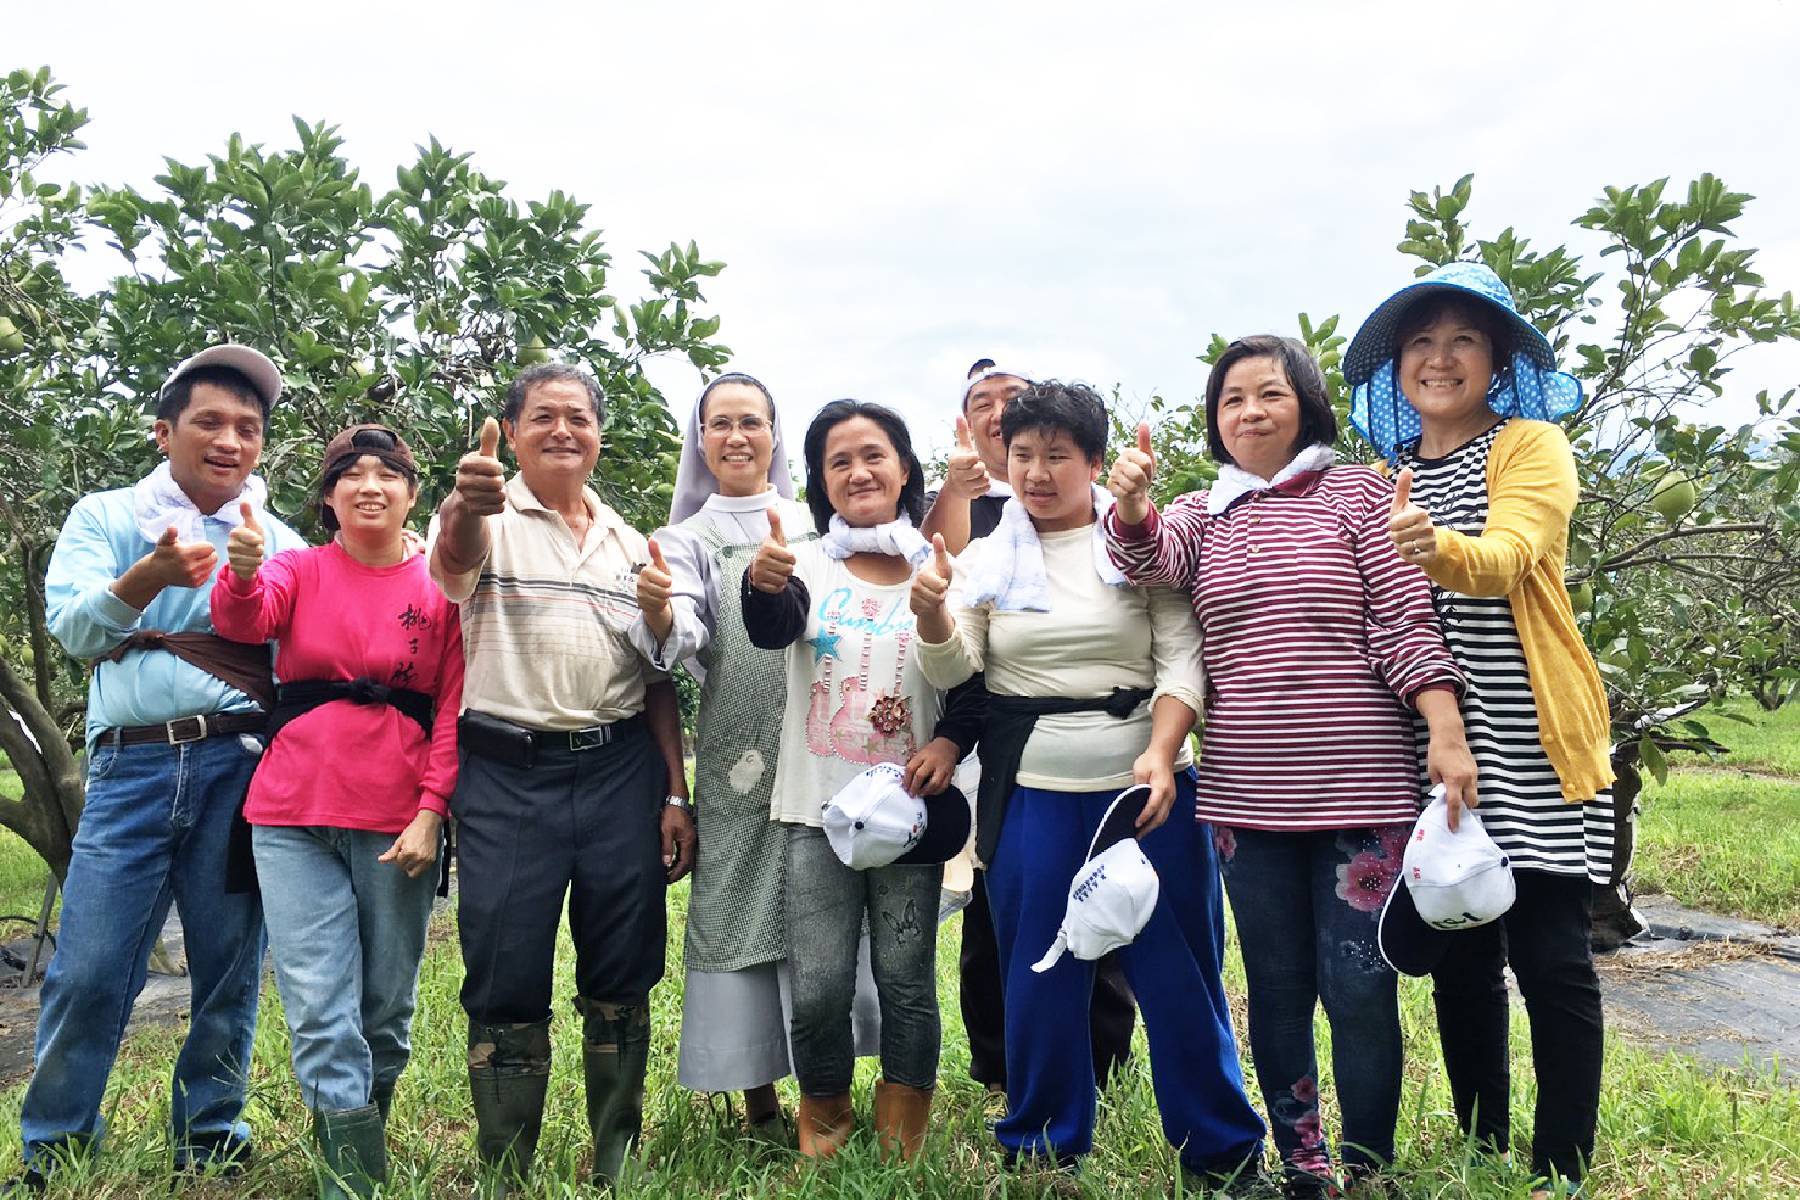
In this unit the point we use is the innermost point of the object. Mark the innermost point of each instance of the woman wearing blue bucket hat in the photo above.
(1460, 393)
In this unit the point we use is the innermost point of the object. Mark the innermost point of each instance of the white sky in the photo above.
(1088, 189)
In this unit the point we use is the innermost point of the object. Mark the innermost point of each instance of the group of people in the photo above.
(1344, 638)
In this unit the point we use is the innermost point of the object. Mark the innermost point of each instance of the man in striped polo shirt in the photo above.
(571, 777)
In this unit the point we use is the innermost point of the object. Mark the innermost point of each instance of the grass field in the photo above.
(1668, 1128)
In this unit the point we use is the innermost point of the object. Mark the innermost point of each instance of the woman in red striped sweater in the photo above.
(1319, 644)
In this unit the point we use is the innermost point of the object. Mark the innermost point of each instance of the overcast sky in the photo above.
(1090, 190)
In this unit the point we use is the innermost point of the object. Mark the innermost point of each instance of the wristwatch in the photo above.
(681, 802)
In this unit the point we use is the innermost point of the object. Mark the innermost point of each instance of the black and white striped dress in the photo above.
(1521, 802)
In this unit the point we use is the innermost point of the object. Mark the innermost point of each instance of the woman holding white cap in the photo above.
(733, 471)
(1094, 686)
(1460, 393)
(855, 697)
(1320, 645)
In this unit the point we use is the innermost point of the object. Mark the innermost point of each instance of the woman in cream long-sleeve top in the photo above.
(1094, 685)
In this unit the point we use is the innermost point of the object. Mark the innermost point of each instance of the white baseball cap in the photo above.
(1112, 896)
(1454, 881)
(873, 821)
(253, 365)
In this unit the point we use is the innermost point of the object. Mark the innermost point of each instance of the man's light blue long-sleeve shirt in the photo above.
(99, 542)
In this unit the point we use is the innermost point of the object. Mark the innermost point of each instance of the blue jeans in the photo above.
(154, 830)
(1173, 967)
(346, 933)
(1307, 905)
(827, 904)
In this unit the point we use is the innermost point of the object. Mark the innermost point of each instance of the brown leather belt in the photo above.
(182, 730)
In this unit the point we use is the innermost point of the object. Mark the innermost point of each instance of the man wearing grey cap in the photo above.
(170, 717)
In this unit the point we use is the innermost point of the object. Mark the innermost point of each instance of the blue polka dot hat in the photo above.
(1529, 386)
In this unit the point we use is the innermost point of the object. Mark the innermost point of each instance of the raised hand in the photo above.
(1132, 474)
(655, 585)
(1415, 537)
(175, 563)
(966, 475)
(931, 585)
(480, 479)
(773, 565)
(244, 547)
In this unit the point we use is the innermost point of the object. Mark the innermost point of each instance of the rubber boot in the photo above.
(824, 1124)
(352, 1152)
(382, 1094)
(615, 1054)
(509, 1076)
(901, 1115)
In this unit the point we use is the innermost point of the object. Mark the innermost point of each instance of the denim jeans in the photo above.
(346, 933)
(1545, 937)
(827, 903)
(1307, 906)
(154, 830)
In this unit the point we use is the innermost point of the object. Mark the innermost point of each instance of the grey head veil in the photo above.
(694, 480)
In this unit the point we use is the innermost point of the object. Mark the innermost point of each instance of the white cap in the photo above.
(1114, 893)
(873, 820)
(1458, 880)
(254, 365)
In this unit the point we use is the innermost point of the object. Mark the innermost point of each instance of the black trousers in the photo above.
(1110, 1017)
(586, 824)
(1545, 939)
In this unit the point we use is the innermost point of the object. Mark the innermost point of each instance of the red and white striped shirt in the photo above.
(1317, 636)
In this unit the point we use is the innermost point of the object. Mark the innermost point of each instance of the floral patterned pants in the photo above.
(1306, 906)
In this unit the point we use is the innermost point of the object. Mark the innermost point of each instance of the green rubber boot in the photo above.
(352, 1152)
(509, 1076)
(615, 1054)
(383, 1096)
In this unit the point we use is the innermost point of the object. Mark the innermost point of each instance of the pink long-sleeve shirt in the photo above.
(349, 765)
(1317, 640)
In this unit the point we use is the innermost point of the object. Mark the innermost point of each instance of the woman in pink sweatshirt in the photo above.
(348, 803)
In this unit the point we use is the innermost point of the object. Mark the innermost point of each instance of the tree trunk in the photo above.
(50, 809)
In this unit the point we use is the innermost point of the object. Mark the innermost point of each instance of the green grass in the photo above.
(1667, 1127)
(1770, 743)
(1723, 841)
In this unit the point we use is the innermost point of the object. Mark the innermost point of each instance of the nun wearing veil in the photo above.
(734, 470)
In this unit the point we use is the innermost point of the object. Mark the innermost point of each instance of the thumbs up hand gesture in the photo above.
(480, 479)
(175, 563)
(930, 590)
(655, 586)
(966, 476)
(244, 546)
(774, 562)
(1415, 537)
(1132, 473)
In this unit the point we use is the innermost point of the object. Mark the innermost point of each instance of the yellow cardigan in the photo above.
(1521, 554)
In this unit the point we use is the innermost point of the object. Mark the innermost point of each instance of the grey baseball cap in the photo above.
(253, 365)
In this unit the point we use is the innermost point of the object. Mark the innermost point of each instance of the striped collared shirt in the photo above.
(546, 621)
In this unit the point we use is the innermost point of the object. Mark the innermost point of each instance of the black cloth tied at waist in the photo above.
(295, 700)
(1010, 720)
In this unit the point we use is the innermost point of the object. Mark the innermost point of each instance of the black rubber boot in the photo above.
(352, 1152)
(509, 1076)
(615, 1054)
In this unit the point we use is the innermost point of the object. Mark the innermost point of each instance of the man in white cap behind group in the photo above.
(170, 717)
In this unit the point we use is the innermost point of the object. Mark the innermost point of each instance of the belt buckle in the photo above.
(198, 723)
(589, 739)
